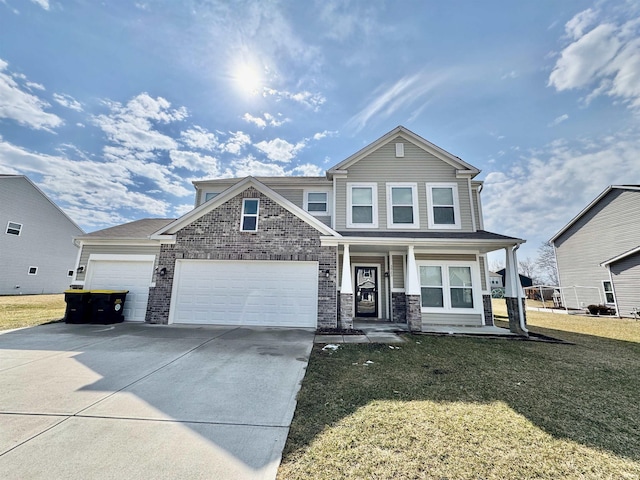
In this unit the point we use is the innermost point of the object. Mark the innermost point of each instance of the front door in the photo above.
(366, 291)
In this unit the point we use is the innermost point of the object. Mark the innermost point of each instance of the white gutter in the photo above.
(523, 326)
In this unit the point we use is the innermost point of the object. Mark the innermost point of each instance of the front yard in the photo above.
(28, 310)
(445, 407)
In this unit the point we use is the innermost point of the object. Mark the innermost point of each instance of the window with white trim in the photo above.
(362, 205)
(609, 296)
(209, 195)
(449, 286)
(444, 207)
(249, 219)
(316, 203)
(32, 271)
(13, 228)
(402, 205)
(69, 273)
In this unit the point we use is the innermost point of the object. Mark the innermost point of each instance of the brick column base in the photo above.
(346, 311)
(514, 315)
(488, 310)
(414, 314)
(399, 306)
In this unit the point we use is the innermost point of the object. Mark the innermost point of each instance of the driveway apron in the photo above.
(145, 401)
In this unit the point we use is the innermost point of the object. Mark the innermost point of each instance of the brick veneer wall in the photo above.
(399, 306)
(488, 310)
(216, 236)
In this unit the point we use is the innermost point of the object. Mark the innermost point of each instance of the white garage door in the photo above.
(134, 276)
(276, 294)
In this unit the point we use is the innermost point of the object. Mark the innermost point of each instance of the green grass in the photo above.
(453, 407)
(28, 310)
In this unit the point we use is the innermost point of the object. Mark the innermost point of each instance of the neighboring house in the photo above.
(37, 252)
(524, 280)
(598, 252)
(394, 233)
(496, 280)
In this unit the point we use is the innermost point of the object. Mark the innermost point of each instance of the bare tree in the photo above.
(546, 263)
(496, 265)
(527, 267)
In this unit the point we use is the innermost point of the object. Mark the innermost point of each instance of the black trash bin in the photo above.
(78, 309)
(107, 306)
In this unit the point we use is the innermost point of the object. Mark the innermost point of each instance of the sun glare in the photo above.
(247, 79)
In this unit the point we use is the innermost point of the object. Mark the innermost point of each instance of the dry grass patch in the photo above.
(444, 407)
(28, 310)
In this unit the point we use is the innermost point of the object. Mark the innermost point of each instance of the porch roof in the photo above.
(478, 235)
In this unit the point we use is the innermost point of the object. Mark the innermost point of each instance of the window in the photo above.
(402, 205)
(209, 195)
(69, 273)
(608, 291)
(33, 271)
(14, 228)
(448, 287)
(249, 220)
(316, 203)
(444, 210)
(363, 205)
(399, 150)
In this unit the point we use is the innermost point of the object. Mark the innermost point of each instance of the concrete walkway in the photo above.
(374, 332)
(147, 402)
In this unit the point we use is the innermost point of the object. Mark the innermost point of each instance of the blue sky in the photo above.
(113, 108)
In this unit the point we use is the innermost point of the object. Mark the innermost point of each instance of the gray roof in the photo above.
(479, 235)
(139, 229)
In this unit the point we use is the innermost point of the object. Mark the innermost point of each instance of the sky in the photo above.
(114, 108)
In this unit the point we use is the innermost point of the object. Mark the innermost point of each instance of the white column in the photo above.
(346, 285)
(509, 285)
(412, 283)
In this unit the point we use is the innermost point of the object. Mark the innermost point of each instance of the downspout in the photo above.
(613, 290)
(519, 291)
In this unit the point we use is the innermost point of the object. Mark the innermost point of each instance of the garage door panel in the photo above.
(246, 293)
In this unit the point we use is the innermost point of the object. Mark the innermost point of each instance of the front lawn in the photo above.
(453, 407)
(28, 310)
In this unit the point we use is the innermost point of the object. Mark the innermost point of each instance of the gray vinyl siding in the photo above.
(602, 233)
(122, 250)
(382, 167)
(398, 271)
(456, 319)
(45, 241)
(295, 196)
(476, 208)
(626, 284)
(483, 276)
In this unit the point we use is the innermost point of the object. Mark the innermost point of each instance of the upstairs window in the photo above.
(317, 203)
(209, 195)
(249, 220)
(362, 205)
(13, 228)
(444, 210)
(402, 205)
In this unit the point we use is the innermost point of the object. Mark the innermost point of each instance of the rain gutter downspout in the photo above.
(523, 326)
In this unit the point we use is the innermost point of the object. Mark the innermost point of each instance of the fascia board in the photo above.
(622, 256)
(328, 241)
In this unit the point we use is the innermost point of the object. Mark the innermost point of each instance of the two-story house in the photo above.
(394, 233)
(37, 253)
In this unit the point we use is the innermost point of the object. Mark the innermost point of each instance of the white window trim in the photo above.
(374, 199)
(414, 198)
(15, 223)
(242, 215)
(327, 192)
(476, 287)
(456, 206)
(612, 292)
(34, 273)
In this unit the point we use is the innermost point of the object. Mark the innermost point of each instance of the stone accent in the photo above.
(514, 315)
(414, 314)
(281, 236)
(398, 307)
(346, 311)
(488, 310)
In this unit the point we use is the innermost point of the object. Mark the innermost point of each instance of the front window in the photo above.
(362, 205)
(317, 203)
(431, 286)
(249, 221)
(608, 292)
(447, 287)
(444, 211)
(14, 228)
(402, 206)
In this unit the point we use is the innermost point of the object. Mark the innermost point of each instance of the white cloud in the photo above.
(280, 150)
(604, 60)
(250, 166)
(67, 101)
(309, 99)
(325, 133)
(558, 120)
(23, 107)
(43, 3)
(236, 142)
(307, 170)
(180, 210)
(34, 86)
(200, 138)
(266, 119)
(194, 162)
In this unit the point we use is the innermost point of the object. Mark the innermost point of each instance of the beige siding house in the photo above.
(394, 233)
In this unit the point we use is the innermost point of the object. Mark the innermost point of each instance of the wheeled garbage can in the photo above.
(107, 306)
(78, 309)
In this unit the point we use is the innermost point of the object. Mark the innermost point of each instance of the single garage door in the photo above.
(276, 294)
(134, 276)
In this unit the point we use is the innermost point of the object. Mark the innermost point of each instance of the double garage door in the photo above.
(268, 293)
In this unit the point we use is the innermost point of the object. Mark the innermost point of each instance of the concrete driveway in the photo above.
(145, 401)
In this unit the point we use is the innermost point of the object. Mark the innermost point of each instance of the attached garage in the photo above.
(264, 293)
(123, 272)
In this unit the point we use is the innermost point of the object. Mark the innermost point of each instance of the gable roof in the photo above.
(136, 230)
(592, 204)
(5, 176)
(622, 256)
(231, 192)
(456, 162)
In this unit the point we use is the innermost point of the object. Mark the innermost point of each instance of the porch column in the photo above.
(346, 291)
(513, 294)
(412, 293)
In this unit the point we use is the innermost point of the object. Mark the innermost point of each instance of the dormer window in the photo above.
(316, 203)
(209, 195)
(13, 228)
(444, 209)
(249, 220)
